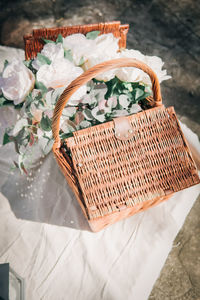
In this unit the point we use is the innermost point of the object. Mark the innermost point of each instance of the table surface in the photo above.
(55, 252)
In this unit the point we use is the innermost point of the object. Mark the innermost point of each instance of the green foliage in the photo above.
(68, 54)
(42, 59)
(40, 86)
(45, 123)
(59, 39)
(48, 41)
(6, 138)
(92, 35)
(81, 62)
(5, 102)
(2, 101)
(5, 64)
(133, 90)
(27, 63)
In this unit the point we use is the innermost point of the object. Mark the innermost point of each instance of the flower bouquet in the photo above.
(33, 87)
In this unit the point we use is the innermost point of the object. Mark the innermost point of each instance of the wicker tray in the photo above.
(117, 175)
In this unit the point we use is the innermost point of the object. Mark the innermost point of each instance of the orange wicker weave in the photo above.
(115, 176)
(34, 42)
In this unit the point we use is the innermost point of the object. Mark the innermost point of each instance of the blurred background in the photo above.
(169, 29)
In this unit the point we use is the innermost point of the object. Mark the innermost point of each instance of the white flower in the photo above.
(156, 64)
(80, 46)
(59, 74)
(136, 75)
(106, 44)
(52, 51)
(16, 81)
(106, 49)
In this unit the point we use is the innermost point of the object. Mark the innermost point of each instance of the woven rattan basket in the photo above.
(121, 167)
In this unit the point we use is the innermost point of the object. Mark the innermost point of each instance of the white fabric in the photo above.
(69, 262)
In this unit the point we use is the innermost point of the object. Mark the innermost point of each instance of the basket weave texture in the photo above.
(34, 42)
(115, 174)
(113, 178)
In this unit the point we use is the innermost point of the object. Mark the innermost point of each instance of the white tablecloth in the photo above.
(62, 259)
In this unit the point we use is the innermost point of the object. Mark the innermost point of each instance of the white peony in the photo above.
(61, 73)
(136, 75)
(156, 64)
(80, 46)
(52, 51)
(83, 48)
(106, 44)
(106, 48)
(16, 81)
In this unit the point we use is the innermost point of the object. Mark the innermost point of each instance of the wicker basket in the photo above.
(121, 167)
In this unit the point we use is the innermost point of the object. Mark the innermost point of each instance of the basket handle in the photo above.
(90, 74)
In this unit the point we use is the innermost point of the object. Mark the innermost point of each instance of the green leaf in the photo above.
(40, 86)
(48, 41)
(65, 135)
(68, 55)
(29, 99)
(2, 101)
(138, 93)
(59, 39)
(92, 35)
(43, 59)
(5, 64)
(87, 114)
(21, 136)
(81, 62)
(27, 63)
(85, 124)
(48, 146)
(6, 139)
(5, 102)
(45, 123)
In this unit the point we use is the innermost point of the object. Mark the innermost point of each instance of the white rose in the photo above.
(80, 46)
(59, 74)
(52, 51)
(136, 75)
(16, 81)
